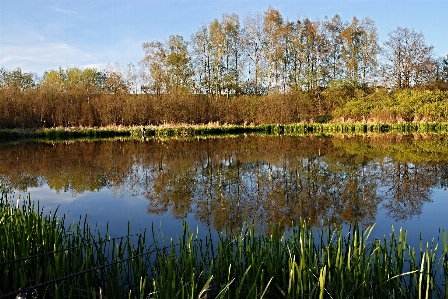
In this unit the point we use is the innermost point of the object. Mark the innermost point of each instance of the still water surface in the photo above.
(218, 183)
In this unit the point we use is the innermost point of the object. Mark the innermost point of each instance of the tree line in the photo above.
(266, 53)
(263, 68)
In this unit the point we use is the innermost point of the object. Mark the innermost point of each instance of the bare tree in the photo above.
(313, 54)
(369, 52)
(273, 32)
(233, 52)
(201, 56)
(409, 60)
(333, 29)
(359, 51)
(253, 43)
(217, 39)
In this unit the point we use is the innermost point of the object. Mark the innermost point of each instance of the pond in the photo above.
(219, 183)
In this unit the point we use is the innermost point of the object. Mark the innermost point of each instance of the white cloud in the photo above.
(64, 11)
(38, 36)
(43, 52)
(46, 55)
(6, 59)
(99, 66)
(40, 56)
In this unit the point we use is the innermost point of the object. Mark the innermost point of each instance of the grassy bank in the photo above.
(66, 133)
(167, 131)
(75, 262)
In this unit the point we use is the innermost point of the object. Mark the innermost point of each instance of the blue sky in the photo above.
(41, 35)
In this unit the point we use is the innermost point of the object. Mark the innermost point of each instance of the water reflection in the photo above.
(225, 181)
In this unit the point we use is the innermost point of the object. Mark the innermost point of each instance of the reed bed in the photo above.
(75, 262)
(167, 131)
(299, 263)
(67, 133)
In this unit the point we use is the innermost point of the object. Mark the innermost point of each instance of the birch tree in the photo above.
(217, 42)
(312, 45)
(178, 66)
(273, 31)
(154, 64)
(333, 30)
(253, 43)
(359, 51)
(233, 52)
(351, 50)
(201, 55)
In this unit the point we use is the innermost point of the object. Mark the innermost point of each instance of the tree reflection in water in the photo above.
(225, 181)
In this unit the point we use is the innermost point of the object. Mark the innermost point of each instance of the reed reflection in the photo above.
(225, 181)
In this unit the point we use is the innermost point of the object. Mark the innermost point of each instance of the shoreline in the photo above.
(209, 130)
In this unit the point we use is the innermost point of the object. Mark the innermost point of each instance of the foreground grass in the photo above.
(184, 130)
(38, 250)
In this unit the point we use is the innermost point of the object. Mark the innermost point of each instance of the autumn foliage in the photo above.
(262, 69)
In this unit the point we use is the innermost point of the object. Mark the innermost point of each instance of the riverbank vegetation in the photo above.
(41, 253)
(215, 130)
(33, 109)
(262, 69)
